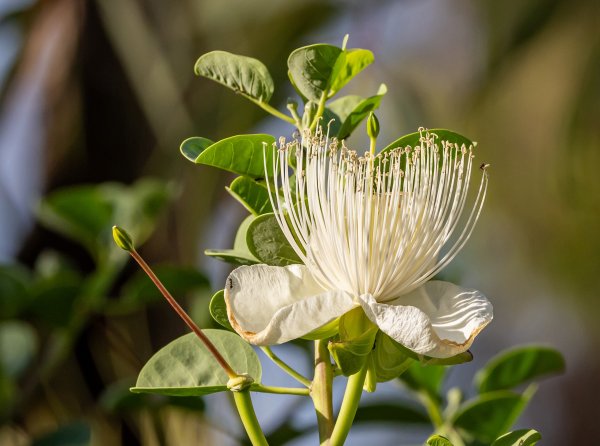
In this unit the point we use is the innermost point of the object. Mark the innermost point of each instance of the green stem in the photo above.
(350, 402)
(320, 110)
(433, 409)
(285, 367)
(243, 403)
(280, 390)
(266, 107)
(321, 391)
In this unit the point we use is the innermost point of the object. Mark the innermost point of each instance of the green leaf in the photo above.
(428, 378)
(396, 412)
(490, 414)
(74, 434)
(185, 367)
(241, 154)
(18, 346)
(240, 254)
(54, 298)
(252, 195)
(413, 139)
(192, 147)
(353, 62)
(521, 437)
(517, 366)
(389, 360)
(438, 440)
(268, 244)
(244, 75)
(313, 68)
(218, 309)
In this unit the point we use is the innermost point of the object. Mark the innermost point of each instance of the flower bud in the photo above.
(122, 239)
(372, 126)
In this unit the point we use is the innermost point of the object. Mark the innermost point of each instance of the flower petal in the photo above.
(438, 319)
(270, 304)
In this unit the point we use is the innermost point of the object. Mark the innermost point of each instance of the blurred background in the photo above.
(95, 98)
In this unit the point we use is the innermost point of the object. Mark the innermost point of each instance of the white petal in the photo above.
(438, 319)
(270, 304)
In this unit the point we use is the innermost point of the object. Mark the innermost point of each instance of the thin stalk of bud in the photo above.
(124, 241)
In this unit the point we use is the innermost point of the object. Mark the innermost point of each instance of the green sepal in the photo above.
(354, 343)
(389, 360)
(438, 440)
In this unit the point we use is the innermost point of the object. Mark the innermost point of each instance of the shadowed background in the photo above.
(104, 91)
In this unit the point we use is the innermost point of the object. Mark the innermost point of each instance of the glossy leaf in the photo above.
(521, 437)
(268, 244)
(313, 68)
(353, 62)
(518, 366)
(244, 75)
(491, 414)
(186, 368)
(18, 347)
(192, 147)
(241, 154)
(218, 309)
(252, 195)
(438, 440)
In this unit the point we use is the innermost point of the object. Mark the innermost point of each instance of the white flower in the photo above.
(371, 232)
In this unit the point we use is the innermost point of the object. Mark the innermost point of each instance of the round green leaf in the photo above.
(313, 68)
(268, 244)
(242, 74)
(192, 147)
(252, 195)
(218, 309)
(438, 440)
(518, 366)
(185, 367)
(522, 437)
(241, 154)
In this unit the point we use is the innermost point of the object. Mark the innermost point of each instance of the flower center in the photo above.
(381, 225)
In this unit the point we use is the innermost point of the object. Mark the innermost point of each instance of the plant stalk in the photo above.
(285, 367)
(243, 403)
(350, 402)
(321, 391)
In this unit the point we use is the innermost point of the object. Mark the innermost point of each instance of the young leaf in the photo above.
(186, 368)
(241, 154)
(517, 366)
(438, 440)
(252, 195)
(313, 68)
(360, 111)
(354, 62)
(244, 75)
(192, 147)
(490, 414)
(218, 309)
(522, 437)
(268, 244)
